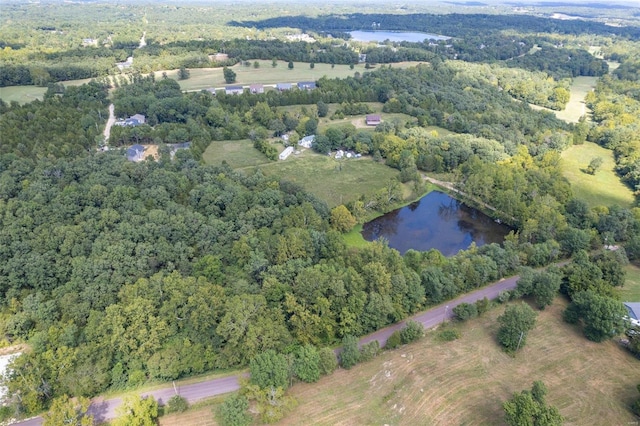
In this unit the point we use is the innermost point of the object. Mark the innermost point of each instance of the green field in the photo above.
(603, 188)
(465, 382)
(238, 154)
(203, 78)
(576, 107)
(21, 94)
(335, 182)
(631, 290)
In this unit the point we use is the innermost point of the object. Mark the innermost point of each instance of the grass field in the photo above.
(603, 188)
(203, 78)
(465, 382)
(631, 290)
(324, 177)
(239, 154)
(576, 107)
(21, 94)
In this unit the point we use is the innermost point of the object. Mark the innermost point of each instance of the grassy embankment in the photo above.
(631, 290)
(603, 188)
(466, 381)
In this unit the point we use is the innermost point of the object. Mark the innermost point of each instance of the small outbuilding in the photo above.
(287, 152)
(373, 120)
(134, 120)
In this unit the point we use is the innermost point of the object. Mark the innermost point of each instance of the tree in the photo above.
(341, 218)
(465, 311)
(67, 411)
(290, 66)
(176, 404)
(137, 411)
(323, 109)
(350, 354)
(256, 64)
(328, 362)
(274, 62)
(269, 369)
(234, 411)
(306, 365)
(635, 407)
(602, 316)
(229, 75)
(529, 408)
(542, 285)
(312, 65)
(515, 323)
(411, 332)
(594, 165)
(183, 73)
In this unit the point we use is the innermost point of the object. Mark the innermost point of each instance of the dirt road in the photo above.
(110, 121)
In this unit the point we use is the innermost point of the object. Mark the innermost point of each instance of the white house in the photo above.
(307, 141)
(287, 152)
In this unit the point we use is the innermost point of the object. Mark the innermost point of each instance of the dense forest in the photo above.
(117, 273)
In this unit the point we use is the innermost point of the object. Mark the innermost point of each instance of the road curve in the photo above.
(104, 410)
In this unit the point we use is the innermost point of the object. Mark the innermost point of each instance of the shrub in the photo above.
(350, 354)
(234, 411)
(176, 404)
(328, 362)
(306, 364)
(465, 311)
(483, 305)
(369, 351)
(394, 340)
(504, 296)
(449, 335)
(412, 331)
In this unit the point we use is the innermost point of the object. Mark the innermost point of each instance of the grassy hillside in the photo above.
(465, 382)
(631, 290)
(603, 188)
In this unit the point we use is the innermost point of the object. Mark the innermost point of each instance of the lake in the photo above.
(397, 36)
(435, 221)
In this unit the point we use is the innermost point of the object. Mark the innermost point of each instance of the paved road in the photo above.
(103, 410)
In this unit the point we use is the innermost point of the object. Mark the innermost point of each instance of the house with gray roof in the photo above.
(307, 85)
(234, 90)
(135, 153)
(283, 86)
(633, 308)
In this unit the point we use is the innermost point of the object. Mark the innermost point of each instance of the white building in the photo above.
(307, 141)
(287, 152)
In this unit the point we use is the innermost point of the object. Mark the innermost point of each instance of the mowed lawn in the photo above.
(630, 292)
(22, 94)
(238, 154)
(576, 107)
(203, 78)
(466, 381)
(602, 189)
(336, 182)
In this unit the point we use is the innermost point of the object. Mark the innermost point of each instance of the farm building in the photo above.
(287, 152)
(134, 120)
(307, 85)
(307, 141)
(283, 86)
(634, 312)
(233, 90)
(135, 153)
(256, 88)
(373, 120)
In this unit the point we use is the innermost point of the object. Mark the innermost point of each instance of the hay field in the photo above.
(465, 382)
(603, 188)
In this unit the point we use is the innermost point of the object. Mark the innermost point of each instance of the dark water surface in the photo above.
(435, 221)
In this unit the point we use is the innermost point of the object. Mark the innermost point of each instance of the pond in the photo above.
(435, 221)
(395, 36)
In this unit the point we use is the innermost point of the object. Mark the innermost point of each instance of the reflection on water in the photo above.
(435, 221)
